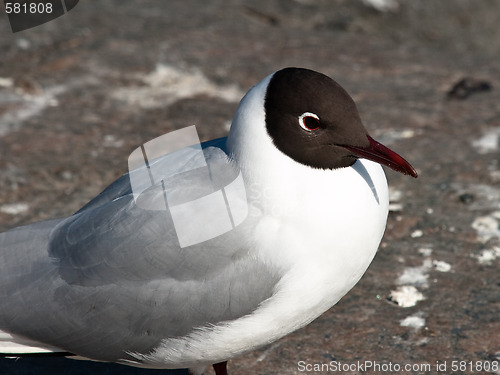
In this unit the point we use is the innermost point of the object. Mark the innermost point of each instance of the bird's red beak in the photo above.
(378, 153)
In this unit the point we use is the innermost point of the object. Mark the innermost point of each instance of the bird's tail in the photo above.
(17, 346)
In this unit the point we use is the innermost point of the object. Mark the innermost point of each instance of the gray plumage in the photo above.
(112, 279)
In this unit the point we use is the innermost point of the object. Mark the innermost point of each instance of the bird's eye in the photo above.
(309, 121)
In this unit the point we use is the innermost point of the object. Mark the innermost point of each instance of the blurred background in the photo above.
(80, 93)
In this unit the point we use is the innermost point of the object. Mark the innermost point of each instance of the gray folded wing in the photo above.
(113, 278)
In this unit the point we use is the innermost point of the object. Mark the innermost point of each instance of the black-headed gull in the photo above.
(115, 282)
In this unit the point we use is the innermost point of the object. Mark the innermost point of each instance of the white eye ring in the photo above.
(303, 121)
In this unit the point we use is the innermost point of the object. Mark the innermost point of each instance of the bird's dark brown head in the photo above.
(314, 121)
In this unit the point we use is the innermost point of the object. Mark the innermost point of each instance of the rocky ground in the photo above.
(79, 93)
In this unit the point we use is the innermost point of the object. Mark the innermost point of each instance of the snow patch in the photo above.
(167, 84)
(394, 200)
(425, 251)
(406, 296)
(416, 275)
(14, 208)
(111, 140)
(382, 5)
(485, 197)
(487, 227)
(488, 256)
(25, 106)
(488, 142)
(6, 82)
(441, 266)
(415, 321)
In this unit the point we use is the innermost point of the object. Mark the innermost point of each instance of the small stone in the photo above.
(467, 86)
(417, 233)
(466, 198)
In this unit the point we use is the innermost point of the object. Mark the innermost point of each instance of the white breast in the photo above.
(322, 235)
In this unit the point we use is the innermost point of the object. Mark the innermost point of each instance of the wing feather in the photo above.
(113, 278)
